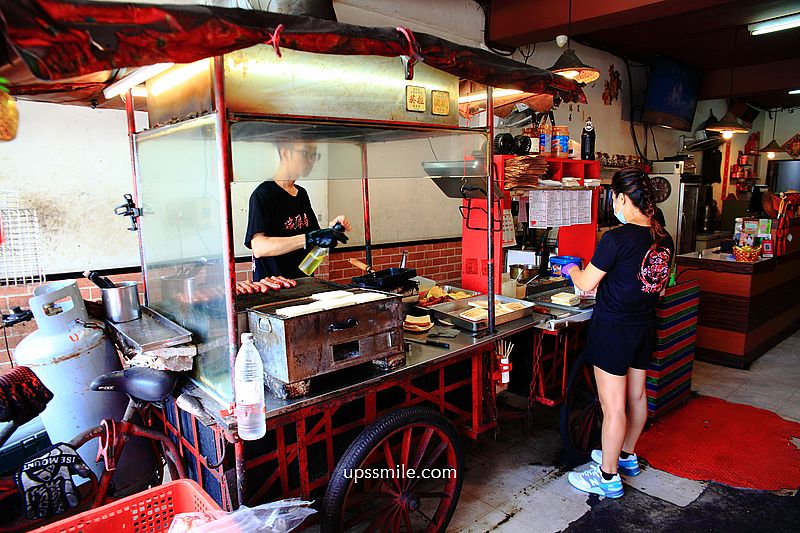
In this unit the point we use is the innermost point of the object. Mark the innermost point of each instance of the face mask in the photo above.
(620, 215)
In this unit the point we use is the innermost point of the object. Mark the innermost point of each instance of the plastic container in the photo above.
(560, 141)
(560, 260)
(121, 303)
(151, 510)
(251, 422)
(545, 139)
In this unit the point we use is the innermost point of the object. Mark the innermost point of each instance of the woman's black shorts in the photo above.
(616, 347)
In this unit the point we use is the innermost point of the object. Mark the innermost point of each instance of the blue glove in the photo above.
(566, 268)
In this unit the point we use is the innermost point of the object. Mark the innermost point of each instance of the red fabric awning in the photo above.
(63, 39)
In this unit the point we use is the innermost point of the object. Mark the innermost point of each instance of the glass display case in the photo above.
(188, 225)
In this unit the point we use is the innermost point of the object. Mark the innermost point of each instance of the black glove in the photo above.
(326, 238)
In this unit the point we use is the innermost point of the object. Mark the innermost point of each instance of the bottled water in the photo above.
(249, 384)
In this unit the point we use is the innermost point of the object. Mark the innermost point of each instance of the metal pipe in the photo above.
(225, 169)
(365, 201)
(490, 207)
(131, 117)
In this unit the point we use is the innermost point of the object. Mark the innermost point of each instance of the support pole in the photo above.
(490, 207)
(225, 170)
(365, 201)
(131, 116)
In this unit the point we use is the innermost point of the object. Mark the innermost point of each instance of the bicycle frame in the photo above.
(122, 432)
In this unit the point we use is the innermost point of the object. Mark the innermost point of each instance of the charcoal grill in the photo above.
(296, 349)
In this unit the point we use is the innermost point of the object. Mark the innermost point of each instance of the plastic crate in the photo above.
(149, 511)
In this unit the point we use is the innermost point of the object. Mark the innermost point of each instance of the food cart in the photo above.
(377, 404)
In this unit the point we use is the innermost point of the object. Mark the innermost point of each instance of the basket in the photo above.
(746, 254)
(149, 511)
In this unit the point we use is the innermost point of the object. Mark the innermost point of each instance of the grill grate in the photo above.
(20, 243)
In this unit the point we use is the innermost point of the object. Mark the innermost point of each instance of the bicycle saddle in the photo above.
(138, 382)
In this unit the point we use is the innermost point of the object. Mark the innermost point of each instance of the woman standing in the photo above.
(630, 268)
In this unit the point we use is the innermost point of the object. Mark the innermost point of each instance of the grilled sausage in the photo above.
(283, 281)
(272, 284)
(262, 287)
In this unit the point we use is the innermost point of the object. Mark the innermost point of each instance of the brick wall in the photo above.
(440, 261)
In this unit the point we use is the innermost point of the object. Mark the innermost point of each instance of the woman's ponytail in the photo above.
(635, 184)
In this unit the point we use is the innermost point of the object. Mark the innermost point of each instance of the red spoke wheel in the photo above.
(409, 466)
(581, 415)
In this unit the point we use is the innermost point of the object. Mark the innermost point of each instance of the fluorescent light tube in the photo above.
(776, 24)
(138, 76)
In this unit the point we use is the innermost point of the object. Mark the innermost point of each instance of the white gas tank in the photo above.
(67, 352)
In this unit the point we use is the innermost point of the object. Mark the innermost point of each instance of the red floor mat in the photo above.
(738, 445)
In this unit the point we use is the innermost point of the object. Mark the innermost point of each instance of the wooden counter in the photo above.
(745, 308)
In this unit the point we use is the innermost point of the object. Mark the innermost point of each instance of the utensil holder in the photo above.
(122, 302)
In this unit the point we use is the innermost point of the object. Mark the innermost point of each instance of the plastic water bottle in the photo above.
(249, 384)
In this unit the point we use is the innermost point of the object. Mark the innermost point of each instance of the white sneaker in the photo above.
(629, 466)
(592, 481)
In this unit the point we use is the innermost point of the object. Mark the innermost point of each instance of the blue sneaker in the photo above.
(629, 466)
(592, 481)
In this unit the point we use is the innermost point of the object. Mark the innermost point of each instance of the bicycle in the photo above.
(146, 388)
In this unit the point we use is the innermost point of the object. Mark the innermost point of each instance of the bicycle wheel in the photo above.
(417, 438)
(581, 415)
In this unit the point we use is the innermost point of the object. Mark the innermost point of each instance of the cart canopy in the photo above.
(68, 51)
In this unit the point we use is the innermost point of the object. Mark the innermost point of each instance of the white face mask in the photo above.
(619, 214)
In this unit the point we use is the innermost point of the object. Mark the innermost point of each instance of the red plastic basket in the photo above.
(149, 511)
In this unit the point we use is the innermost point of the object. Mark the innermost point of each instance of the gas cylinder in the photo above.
(67, 352)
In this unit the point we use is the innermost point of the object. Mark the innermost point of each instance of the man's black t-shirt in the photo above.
(635, 275)
(276, 213)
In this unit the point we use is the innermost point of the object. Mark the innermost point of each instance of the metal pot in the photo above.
(523, 273)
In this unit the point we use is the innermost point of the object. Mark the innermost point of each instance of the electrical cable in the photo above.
(655, 146)
(527, 53)
(504, 51)
(630, 104)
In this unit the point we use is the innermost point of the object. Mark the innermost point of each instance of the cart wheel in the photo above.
(387, 498)
(581, 415)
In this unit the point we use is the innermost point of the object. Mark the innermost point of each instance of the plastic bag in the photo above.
(190, 522)
(275, 517)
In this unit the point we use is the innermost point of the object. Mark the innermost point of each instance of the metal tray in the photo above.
(449, 312)
(544, 298)
(447, 289)
(151, 331)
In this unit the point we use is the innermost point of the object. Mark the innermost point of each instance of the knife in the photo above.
(429, 342)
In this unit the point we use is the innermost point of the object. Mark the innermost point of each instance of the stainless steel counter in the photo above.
(328, 388)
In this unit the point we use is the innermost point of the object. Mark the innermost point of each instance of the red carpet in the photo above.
(710, 439)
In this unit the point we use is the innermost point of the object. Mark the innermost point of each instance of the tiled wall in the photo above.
(440, 261)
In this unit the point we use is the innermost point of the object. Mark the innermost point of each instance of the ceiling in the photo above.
(708, 34)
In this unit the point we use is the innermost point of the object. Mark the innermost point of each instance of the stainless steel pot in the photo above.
(523, 273)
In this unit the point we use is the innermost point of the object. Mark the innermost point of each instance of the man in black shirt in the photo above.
(281, 221)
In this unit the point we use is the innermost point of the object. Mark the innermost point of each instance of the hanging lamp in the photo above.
(729, 124)
(569, 65)
(772, 147)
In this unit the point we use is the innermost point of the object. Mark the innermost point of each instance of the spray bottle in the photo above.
(316, 256)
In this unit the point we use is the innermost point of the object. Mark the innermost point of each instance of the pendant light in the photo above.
(569, 65)
(773, 146)
(729, 124)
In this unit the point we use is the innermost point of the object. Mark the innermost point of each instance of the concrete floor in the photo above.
(517, 482)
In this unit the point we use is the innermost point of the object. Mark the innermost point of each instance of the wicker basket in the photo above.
(746, 254)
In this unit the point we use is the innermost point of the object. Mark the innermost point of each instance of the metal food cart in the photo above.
(210, 120)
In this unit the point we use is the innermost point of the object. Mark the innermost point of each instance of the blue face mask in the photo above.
(620, 215)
